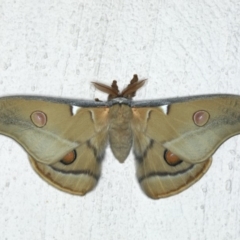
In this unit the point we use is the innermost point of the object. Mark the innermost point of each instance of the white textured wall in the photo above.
(57, 48)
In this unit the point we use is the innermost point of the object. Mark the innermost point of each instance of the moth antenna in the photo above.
(104, 88)
(115, 87)
(131, 89)
(113, 91)
(134, 79)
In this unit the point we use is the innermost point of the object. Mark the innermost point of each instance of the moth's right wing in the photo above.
(160, 172)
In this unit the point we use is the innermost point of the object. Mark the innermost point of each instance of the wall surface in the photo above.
(57, 48)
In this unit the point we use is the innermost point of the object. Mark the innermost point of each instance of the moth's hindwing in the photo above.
(81, 175)
(159, 173)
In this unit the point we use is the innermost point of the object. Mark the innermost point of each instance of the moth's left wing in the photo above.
(65, 147)
(76, 176)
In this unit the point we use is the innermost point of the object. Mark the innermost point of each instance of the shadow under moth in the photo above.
(172, 139)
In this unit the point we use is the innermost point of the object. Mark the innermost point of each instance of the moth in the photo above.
(173, 140)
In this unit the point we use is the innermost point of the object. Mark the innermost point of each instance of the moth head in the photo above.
(113, 92)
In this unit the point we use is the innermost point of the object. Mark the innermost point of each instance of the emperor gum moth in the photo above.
(172, 139)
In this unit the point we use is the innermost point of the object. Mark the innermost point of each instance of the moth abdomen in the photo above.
(120, 142)
(120, 131)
